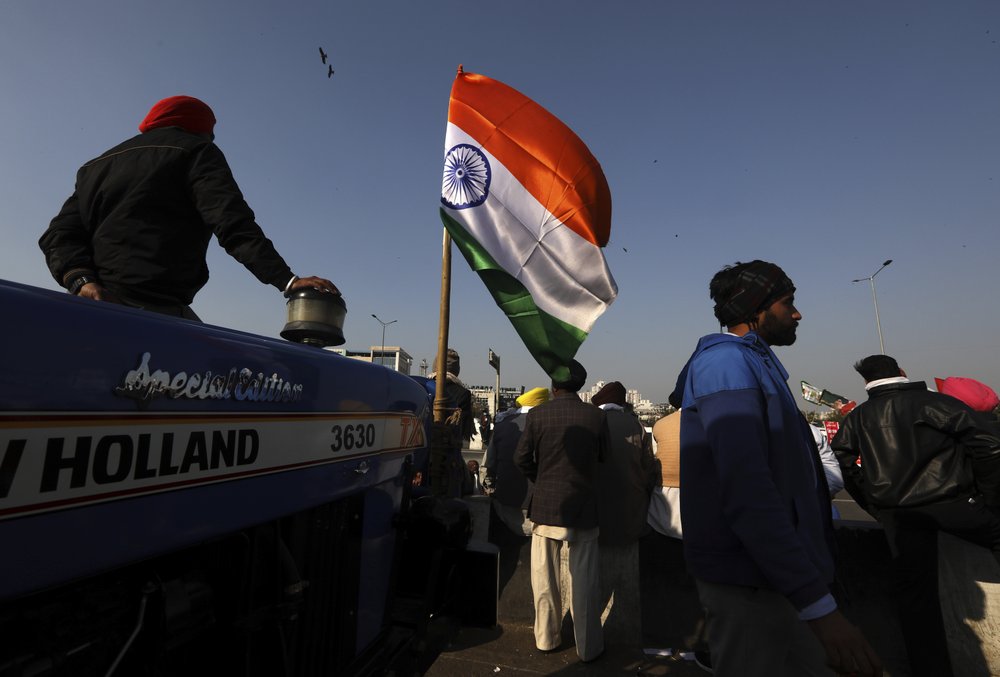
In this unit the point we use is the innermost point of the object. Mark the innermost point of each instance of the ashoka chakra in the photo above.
(466, 181)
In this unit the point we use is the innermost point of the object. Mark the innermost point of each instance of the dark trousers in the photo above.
(755, 632)
(912, 535)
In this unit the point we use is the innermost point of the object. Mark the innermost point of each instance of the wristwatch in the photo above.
(77, 284)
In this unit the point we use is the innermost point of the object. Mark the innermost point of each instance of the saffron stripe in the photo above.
(545, 156)
(566, 276)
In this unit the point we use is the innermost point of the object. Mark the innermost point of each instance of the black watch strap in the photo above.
(77, 284)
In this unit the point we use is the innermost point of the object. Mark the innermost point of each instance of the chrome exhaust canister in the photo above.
(315, 318)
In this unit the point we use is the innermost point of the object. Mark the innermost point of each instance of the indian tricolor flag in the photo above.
(529, 208)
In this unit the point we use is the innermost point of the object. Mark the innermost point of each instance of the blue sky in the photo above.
(826, 137)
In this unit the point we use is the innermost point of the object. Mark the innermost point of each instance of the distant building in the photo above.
(484, 396)
(393, 357)
(586, 395)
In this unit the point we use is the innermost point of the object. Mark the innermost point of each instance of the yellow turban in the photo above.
(533, 397)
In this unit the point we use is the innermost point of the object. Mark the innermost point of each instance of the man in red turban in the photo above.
(186, 112)
(979, 396)
(137, 227)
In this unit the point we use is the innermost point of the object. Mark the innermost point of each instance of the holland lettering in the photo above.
(73, 463)
(8, 466)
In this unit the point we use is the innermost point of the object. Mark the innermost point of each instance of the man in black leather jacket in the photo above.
(137, 227)
(926, 466)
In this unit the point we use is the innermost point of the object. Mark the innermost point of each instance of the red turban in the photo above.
(979, 396)
(186, 112)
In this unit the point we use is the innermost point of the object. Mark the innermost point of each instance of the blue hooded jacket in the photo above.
(754, 505)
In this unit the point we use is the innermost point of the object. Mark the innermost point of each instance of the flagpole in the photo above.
(440, 400)
(441, 432)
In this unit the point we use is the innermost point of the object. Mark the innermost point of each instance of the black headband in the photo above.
(758, 285)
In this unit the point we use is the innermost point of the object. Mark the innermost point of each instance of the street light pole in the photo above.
(494, 361)
(871, 279)
(384, 325)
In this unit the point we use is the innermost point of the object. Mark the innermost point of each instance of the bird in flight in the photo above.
(329, 73)
(322, 54)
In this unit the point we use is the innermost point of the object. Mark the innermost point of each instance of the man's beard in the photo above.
(774, 332)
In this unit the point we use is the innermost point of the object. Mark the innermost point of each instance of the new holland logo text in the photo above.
(110, 459)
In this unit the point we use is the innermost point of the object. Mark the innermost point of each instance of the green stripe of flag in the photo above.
(552, 342)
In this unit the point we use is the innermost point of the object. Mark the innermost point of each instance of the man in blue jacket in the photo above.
(755, 508)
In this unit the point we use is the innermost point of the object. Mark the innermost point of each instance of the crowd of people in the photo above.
(744, 484)
(738, 478)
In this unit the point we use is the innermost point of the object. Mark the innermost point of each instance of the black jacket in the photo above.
(562, 443)
(142, 215)
(917, 447)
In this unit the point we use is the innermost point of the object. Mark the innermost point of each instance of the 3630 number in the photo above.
(352, 436)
